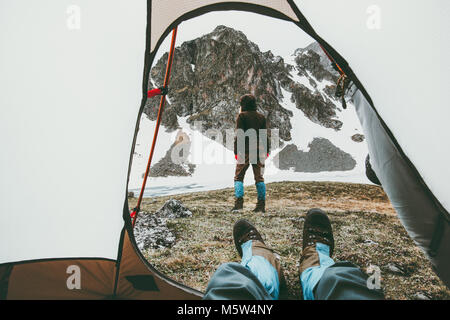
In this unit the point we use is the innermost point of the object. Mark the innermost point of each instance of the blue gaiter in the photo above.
(239, 189)
(261, 189)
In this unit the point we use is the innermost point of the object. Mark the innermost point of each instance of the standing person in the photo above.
(251, 146)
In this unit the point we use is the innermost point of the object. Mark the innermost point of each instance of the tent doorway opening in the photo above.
(185, 225)
(214, 65)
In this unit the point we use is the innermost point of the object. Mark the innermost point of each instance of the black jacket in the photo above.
(252, 120)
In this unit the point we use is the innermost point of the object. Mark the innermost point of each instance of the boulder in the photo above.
(151, 230)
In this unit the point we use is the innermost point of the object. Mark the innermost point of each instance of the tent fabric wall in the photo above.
(47, 280)
(99, 279)
(164, 13)
(416, 210)
(5, 272)
(69, 104)
(132, 264)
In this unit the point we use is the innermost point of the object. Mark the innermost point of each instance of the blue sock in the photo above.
(262, 269)
(261, 189)
(239, 189)
(311, 276)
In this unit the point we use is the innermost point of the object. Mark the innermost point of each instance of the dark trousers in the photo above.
(342, 281)
(345, 281)
(232, 281)
(241, 169)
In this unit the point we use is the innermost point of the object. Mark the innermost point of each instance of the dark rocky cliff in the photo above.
(210, 73)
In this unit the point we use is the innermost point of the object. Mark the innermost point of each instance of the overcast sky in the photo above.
(280, 37)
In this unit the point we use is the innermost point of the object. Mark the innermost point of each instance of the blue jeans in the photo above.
(254, 279)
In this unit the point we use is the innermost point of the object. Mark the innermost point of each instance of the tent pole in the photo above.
(162, 103)
(332, 60)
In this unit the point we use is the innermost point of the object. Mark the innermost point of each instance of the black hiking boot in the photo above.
(317, 228)
(244, 231)
(260, 206)
(238, 204)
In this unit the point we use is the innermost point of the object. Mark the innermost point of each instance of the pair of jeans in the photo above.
(340, 281)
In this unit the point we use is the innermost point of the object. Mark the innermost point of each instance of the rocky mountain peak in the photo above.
(210, 73)
(313, 58)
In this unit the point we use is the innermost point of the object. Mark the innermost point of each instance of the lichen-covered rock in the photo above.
(151, 230)
(173, 209)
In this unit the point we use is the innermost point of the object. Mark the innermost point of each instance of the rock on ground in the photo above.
(358, 137)
(151, 230)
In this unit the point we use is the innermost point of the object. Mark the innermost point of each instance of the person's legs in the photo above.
(261, 262)
(257, 257)
(315, 260)
(259, 274)
(321, 278)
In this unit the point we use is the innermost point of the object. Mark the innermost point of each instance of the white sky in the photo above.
(280, 37)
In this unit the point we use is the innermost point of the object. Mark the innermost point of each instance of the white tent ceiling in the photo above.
(164, 12)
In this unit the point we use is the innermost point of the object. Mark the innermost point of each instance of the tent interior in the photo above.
(80, 149)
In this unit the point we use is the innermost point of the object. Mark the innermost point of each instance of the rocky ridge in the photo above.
(210, 73)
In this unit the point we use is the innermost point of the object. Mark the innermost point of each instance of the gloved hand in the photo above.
(157, 91)
(239, 158)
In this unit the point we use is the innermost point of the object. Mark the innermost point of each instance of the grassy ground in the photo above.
(366, 229)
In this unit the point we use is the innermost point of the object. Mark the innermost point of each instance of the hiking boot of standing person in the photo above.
(316, 230)
(260, 206)
(238, 204)
(243, 231)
